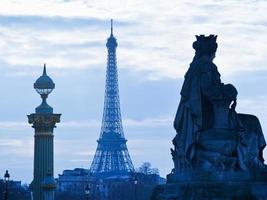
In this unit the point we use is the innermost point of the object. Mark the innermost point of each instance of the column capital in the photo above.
(43, 122)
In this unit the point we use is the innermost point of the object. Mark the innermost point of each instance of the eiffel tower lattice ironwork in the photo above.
(112, 156)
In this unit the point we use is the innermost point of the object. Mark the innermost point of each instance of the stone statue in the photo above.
(210, 134)
(214, 145)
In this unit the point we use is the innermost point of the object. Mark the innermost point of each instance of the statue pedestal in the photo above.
(203, 190)
(201, 185)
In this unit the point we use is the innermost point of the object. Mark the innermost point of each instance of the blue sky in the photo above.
(154, 52)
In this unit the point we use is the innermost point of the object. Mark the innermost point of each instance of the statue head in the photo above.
(205, 46)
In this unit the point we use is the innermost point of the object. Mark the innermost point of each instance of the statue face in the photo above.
(212, 56)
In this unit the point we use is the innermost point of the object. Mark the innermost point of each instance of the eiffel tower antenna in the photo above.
(111, 27)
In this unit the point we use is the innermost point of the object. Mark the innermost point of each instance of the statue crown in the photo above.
(205, 45)
(206, 39)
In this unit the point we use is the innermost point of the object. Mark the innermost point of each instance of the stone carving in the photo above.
(210, 133)
(213, 143)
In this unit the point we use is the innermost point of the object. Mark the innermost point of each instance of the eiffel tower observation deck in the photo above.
(112, 157)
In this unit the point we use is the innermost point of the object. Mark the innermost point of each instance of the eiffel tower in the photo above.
(112, 156)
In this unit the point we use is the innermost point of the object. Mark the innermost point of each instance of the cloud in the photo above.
(11, 143)
(81, 124)
(44, 23)
(13, 125)
(158, 122)
(128, 123)
(93, 123)
(72, 34)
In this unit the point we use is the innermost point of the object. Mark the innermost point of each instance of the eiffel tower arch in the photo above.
(112, 156)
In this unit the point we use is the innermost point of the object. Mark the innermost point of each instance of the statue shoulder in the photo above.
(207, 66)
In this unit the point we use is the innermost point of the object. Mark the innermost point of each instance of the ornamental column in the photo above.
(43, 121)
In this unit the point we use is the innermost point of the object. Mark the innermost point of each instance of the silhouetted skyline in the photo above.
(155, 49)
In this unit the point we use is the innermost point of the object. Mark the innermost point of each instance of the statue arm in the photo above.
(211, 86)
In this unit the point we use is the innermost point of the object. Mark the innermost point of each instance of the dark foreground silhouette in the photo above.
(217, 152)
